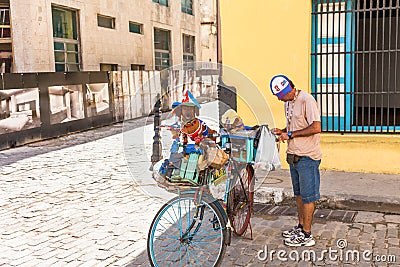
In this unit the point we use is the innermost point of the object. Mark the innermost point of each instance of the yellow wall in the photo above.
(262, 38)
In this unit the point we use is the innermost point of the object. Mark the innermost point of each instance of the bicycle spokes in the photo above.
(184, 233)
(241, 200)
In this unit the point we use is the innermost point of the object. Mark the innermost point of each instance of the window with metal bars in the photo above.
(355, 69)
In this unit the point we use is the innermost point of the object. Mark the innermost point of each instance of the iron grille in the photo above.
(355, 65)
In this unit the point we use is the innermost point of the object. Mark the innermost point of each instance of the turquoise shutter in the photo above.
(332, 63)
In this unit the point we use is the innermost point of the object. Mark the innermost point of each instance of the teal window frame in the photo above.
(346, 81)
(329, 122)
(161, 2)
(187, 6)
(135, 27)
(67, 55)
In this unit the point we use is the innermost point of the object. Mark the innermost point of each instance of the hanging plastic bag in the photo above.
(267, 156)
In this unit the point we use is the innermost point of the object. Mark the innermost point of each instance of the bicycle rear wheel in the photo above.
(240, 200)
(176, 239)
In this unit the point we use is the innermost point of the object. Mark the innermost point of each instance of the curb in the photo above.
(280, 196)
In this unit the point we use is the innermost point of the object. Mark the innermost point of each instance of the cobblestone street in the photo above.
(72, 201)
(69, 205)
(371, 232)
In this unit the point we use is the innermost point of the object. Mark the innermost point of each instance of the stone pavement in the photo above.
(72, 201)
(87, 199)
(371, 240)
(344, 190)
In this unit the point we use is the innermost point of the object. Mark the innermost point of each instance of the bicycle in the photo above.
(194, 228)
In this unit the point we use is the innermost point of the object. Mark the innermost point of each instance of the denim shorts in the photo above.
(305, 179)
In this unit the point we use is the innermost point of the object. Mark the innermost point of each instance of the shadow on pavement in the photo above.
(13, 155)
(141, 260)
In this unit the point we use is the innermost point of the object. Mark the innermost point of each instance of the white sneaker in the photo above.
(294, 231)
(300, 240)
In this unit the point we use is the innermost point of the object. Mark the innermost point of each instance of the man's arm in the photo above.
(313, 128)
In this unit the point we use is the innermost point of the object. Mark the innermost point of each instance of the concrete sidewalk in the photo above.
(343, 190)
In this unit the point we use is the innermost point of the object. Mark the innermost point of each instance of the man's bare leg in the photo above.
(300, 209)
(308, 213)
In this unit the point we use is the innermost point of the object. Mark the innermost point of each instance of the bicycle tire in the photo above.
(166, 245)
(240, 200)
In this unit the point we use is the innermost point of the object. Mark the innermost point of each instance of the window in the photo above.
(5, 31)
(66, 56)
(105, 22)
(356, 65)
(135, 27)
(188, 49)
(161, 2)
(137, 67)
(5, 37)
(187, 6)
(108, 67)
(66, 44)
(162, 52)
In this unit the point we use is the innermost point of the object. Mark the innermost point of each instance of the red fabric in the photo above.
(186, 98)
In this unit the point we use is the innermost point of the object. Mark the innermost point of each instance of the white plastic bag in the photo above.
(267, 156)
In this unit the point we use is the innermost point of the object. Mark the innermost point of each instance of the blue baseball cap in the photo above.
(280, 85)
(175, 104)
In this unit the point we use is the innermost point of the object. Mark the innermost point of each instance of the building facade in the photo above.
(93, 35)
(345, 53)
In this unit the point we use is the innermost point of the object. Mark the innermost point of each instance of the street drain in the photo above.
(319, 214)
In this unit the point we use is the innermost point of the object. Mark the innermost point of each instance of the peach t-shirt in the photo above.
(305, 112)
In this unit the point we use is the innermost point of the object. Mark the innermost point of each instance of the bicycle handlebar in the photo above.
(170, 127)
(213, 135)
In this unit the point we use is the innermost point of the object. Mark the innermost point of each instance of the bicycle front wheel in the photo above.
(183, 233)
(240, 200)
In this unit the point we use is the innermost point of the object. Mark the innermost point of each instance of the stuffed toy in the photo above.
(196, 130)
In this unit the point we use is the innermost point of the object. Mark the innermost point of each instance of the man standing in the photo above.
(302, 132)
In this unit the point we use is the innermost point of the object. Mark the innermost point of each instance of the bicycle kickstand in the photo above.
(251, 231)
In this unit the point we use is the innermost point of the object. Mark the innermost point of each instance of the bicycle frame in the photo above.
(232, 176)
(197, 219)
(199, 195)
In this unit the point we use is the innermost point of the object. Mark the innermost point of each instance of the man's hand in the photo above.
(283, 137)
(276, 131)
